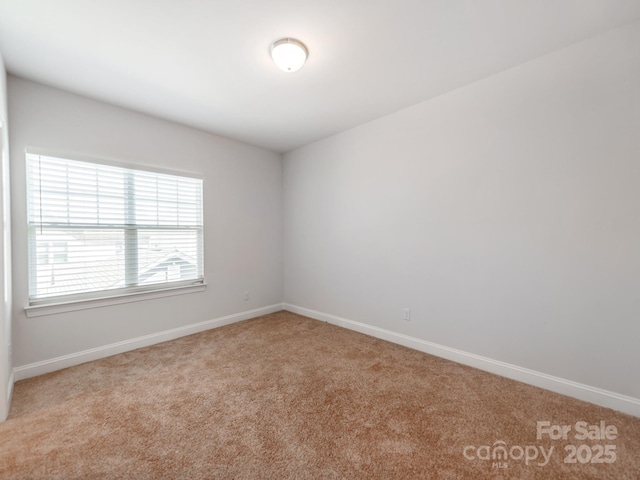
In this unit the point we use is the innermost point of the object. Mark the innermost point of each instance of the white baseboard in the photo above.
(598, 396)
(65, 361)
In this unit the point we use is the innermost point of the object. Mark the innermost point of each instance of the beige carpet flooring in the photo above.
(287, 397)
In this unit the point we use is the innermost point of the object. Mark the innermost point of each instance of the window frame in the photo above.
(129, 293)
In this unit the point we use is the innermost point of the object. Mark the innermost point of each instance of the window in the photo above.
(98, 230)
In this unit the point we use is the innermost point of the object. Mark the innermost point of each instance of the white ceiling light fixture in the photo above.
(289, 54)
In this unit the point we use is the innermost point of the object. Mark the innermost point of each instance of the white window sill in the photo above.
(55, 308)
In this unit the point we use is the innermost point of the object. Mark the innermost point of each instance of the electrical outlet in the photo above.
(406, 315)
(9, 350)
(246, 295)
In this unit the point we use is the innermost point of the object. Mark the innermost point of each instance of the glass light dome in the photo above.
(289, 54)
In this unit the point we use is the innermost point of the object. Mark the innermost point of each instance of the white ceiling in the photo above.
(205, 63)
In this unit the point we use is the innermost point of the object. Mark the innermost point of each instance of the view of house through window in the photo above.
(99, 230)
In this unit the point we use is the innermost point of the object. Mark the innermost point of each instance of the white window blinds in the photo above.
(99, 230)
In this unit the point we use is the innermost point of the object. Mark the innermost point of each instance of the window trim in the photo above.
(82, 301)
(110, 162)
(97, 302)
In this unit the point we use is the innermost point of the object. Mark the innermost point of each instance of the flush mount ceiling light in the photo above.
(289, 54)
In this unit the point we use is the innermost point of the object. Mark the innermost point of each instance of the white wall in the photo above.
(505, 215)
(6, 378)
(242, 214)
